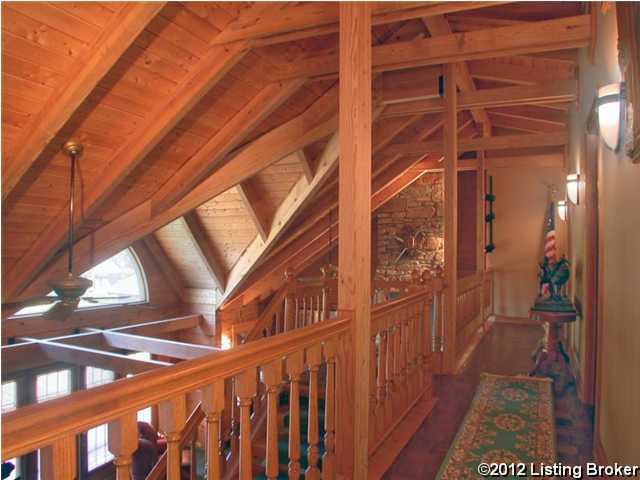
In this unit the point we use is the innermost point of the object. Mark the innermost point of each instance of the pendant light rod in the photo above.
(72, 149)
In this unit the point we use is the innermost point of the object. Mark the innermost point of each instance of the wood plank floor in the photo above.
(505, 349)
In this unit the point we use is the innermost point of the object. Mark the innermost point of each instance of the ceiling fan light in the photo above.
(70, 287)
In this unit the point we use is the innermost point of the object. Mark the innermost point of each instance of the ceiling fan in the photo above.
(69, 289)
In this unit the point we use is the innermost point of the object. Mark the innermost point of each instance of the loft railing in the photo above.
(51, 427)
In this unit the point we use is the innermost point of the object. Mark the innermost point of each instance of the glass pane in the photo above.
(53, 385)
(9, 396)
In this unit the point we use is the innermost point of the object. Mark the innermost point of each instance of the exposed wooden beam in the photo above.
(523, 124)
(165, 116)
(305, 162)
(407, 85)
(163, 262)
(161, 326)
(255, 207)
(317, 122)
(450, 216)
(286, 23)
(204, 249)
(223, 142)
(77, 355)
(439, 26)
(354, 273)
(557, 34)
(298, 197)
(71, 91)
(518, 70)
(157, 346)
(484, 143)
(556, 92)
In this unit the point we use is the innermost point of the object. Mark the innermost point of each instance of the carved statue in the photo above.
(554, 276)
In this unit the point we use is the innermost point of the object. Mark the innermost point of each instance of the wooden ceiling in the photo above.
(210, 126)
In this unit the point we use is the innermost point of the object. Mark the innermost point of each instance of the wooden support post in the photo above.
(480, 230)
(213, 398)
(450, 216)
(123, 441)
(173, 414)
(58, 462)
(354, 286)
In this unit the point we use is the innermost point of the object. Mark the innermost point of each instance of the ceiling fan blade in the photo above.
(30, 302)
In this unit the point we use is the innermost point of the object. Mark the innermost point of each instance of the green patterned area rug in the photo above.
(511, 420)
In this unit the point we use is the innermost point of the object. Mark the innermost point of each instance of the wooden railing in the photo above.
(401, 349)
(51, 427)
(473, 307)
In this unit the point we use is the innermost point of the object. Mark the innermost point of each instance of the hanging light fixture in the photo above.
(610, 106)
(562, 209)
(573, 188)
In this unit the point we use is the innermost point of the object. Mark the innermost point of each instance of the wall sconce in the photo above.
(611, 112)
(562, 210)
(573, 188)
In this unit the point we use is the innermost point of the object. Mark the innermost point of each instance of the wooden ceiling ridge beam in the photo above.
(547, 93)
(73, 88)
(540, 36)
(156, 346)
(197, 83)
(314, 124)
(310, 20)
(485, 143)
(439, 26)
(77, 355)
(204, 248)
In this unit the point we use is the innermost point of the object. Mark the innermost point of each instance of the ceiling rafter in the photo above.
(255, 207)
(439, 26)
(300, 21)
(204, 248)
(74, 88)
(557, 34)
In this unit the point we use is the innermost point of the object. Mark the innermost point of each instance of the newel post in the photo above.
(354, 273)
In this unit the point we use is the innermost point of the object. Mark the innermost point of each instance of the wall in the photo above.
(163, 303)
(420, 206)
(521, 204)
(618, 409)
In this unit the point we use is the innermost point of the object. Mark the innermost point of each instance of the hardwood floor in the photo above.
(505, 349)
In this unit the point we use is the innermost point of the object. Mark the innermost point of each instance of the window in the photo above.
(53, 385)
(94, 377)
(120, 277)
(9, 403)
(97, 447)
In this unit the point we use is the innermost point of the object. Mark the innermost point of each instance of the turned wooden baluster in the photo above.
(401, 362)
(272, 378)
(420, 326)
(411, 352)
(193, 460)
(372, 389)
(393, 387)
(213, 399)
(58, 461)
(173, 414)
(427, 344)
(245, 391)
(122, 442)
(381, 382)
(329, 457)
(295, 366)
(314, 358)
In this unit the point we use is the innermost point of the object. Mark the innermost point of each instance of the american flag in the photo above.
(550, 234)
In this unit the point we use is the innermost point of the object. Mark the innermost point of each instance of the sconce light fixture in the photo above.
(562, 210)
(611, 112)
(573, 188)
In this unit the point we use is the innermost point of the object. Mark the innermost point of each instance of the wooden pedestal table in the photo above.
(551, 359)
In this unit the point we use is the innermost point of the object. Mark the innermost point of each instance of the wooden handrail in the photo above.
(40, 425)
(188, 432)
(385, 308)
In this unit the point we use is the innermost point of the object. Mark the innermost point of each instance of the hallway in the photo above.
(505, 349)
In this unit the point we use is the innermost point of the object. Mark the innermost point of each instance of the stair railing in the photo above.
(51, 427)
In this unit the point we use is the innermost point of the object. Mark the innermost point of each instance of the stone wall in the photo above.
(419, 206)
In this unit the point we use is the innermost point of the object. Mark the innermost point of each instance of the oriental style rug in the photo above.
(511, 421)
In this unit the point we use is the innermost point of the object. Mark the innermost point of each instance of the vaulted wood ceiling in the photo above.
(211, 126)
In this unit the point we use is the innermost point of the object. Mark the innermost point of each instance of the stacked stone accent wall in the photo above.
(419, 206)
